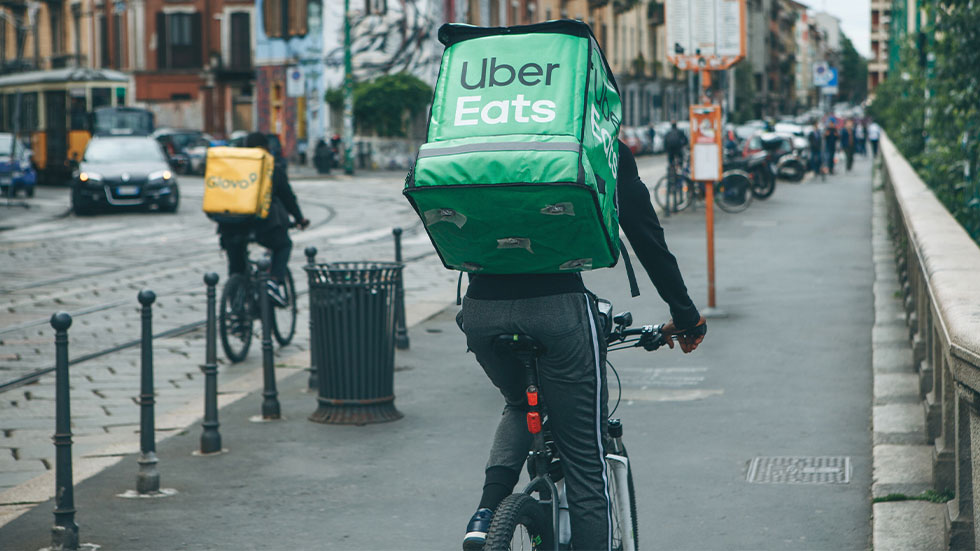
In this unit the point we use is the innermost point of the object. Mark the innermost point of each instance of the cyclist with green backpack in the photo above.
(559, 311)
(523, 184)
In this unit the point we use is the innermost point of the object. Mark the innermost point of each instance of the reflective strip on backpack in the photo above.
(500, 146)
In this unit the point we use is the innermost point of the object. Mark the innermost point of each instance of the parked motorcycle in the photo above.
(759, 171)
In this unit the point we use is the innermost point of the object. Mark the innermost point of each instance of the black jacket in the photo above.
(640, 223)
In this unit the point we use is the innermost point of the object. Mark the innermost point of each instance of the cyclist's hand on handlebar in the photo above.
(303, 223)
(688, 339)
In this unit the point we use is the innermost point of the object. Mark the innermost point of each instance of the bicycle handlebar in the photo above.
(650, 337)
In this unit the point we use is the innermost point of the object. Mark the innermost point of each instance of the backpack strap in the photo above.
(630, 274)
(459, 290)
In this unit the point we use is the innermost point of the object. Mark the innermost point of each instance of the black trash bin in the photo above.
(352, 312)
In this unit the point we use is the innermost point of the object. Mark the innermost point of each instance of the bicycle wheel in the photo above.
(734, 192)
(521, 522)
(235, 317)
(679, 190)
(284, 317)
(763, 182)
(626, 536)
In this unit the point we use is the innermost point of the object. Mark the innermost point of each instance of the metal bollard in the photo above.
(210, 438)
(148, 477)
(270, 402)
(401, 333)
(64, 534)
(313, 384)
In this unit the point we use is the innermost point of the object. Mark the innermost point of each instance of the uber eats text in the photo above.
(471, 110)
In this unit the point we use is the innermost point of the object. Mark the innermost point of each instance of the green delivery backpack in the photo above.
(518, 174)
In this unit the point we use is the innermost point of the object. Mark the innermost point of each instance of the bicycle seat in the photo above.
(519, 345)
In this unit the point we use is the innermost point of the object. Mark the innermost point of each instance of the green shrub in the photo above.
(384, 104)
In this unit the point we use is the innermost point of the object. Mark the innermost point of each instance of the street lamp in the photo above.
(348, 95)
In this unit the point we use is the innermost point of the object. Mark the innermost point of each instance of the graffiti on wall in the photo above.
(402, 39)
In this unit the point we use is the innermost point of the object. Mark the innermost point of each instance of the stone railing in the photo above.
(939, 269)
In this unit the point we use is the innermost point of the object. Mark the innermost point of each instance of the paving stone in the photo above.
(899, 424)
(909, 526)
(894, 357)
(9, 479)
(889, 334)
(896, 387)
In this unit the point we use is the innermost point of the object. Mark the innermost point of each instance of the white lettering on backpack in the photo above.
(608, 143)
(498, 111)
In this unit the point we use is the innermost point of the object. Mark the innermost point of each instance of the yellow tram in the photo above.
(61, 108)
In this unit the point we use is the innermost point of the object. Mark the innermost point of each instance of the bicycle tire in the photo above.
(681, 198)
(520, 516)
(734, 192)
(631, 493)
(235, 317)
(763, 182)
(284, 317)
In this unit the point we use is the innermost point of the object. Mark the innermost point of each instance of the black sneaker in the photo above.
(476, 530)
(276, 294)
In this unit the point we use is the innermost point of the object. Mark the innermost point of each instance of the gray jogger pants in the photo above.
(572, 378)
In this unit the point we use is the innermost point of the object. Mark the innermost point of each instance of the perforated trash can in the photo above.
(352, 311)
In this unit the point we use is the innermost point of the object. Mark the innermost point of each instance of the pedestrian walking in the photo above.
(830, 137)
(816, 149)
(847, 143)
(860, 138)
(874, 134)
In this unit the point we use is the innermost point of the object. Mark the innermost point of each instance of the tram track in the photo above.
(368, 238)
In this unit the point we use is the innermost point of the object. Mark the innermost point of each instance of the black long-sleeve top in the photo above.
(639, 222)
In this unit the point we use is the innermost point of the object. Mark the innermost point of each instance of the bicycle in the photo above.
(523, 521)
(732, 194)
(240, 307)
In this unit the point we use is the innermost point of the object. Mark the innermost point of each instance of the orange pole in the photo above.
(709, 192)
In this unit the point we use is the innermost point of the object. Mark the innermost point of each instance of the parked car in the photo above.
(631, 138)
(121, 171)
(197, 153)
(17, 171)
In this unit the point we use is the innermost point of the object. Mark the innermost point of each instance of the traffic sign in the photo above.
(821, 73)
(705, 34)
(831, 88)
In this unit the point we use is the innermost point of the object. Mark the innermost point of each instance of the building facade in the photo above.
(288, 73)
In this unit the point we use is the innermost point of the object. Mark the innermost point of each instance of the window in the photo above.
(117, 33)
(104, 58)
(56, 30)
(494, 13)
(241, 41)
(3, 41)
(287, 18)
(380, 7)
(178, 40)
(28, 112)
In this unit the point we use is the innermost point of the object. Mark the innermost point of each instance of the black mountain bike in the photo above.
(240, 308)
(523, 521)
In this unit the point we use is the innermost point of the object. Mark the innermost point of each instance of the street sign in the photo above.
(706, 135)
(711, 32)
(295, 85)
(830, 89)
(821, 73)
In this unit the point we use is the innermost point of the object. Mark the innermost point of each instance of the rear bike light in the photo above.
(534, 422)
(532, 398)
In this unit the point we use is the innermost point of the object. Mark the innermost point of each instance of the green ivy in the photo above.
(383, 105)
(933, 114)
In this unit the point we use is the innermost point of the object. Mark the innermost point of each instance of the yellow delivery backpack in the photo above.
(238, 184)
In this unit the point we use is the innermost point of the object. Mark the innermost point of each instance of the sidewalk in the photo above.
(786, 375)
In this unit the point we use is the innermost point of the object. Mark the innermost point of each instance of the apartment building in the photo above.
(630, 33)
(880, 31)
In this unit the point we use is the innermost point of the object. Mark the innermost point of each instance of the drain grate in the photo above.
(800, 470)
